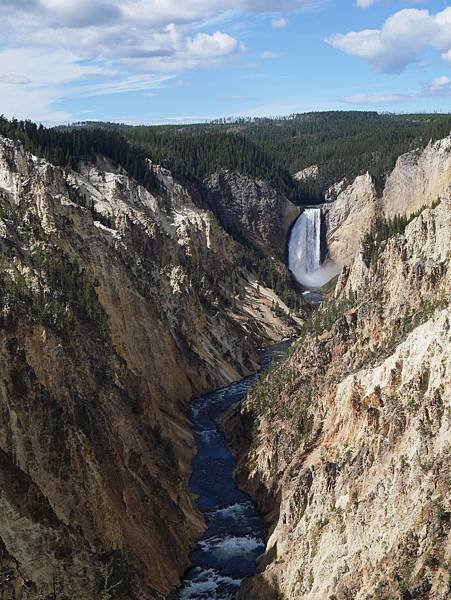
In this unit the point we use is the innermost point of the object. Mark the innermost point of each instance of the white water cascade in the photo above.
(304, 251)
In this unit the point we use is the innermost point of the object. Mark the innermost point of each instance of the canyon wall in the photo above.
(117, 307)
(420, 178)
(348, 439)
(258, 213)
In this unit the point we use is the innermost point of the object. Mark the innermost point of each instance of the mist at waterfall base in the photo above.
(304, 252)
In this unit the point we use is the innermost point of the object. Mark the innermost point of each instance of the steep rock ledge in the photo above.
(252, 208)
(349, 450)
(117, 307)
(419, 179)
(348, 217)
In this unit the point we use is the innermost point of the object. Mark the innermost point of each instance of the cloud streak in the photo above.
(439, 87)
(366, 3)
(280, 23)
(402, 40)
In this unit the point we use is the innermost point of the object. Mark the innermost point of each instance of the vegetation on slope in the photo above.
(194, 153)
(51, 288)
(373, 241)
(70, 147)
(342, 144)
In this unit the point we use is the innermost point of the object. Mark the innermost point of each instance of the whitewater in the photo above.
(304, 251)
(234, 539)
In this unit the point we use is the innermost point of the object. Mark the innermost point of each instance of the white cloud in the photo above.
(211, 46)
(235, 98)
(366, 3)
(270, 54)
(119, 85)
(378, 99)
(155, 13)
(439, 82)
(439, 87)
(38, 81)
(126, 45)
(39, 67)
(14, 79)
(402, 40)
(43, 78)
(280, 23)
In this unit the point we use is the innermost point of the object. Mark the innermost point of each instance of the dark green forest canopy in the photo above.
(192, 154)
(70, 146)
(342, 144)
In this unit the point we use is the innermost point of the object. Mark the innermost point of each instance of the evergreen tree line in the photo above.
(383, 229)
(193, 154)
(269, 275)
(342, 144)
(68, 147)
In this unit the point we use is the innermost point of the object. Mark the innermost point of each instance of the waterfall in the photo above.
(304, 251)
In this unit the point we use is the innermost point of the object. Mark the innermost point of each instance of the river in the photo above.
(234, 538)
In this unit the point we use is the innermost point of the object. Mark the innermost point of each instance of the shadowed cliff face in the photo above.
(349, 456)
(117, 307)
(253, 209)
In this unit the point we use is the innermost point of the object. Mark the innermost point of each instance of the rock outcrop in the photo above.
(307, 173)
(349, 437)
(117, 307)
(348, 218)
(419, 179)
(253, 209)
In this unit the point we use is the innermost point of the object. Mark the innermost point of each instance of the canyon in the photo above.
(118, 307)
(418, 179)
(120, 304)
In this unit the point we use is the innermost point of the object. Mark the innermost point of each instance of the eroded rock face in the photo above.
(307, 173)
(351, 458)
(253, 209)
(349, 217)
(419, 179)
(118, 306)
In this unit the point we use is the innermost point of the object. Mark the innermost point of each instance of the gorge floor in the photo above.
(234, 538)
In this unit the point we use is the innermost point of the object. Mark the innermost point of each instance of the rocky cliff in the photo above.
(253, 209)
(419, 179)
(117, 307)
(348, 448)
(307, 173)
(348, 217)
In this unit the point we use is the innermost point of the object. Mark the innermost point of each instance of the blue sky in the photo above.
(187, 60)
